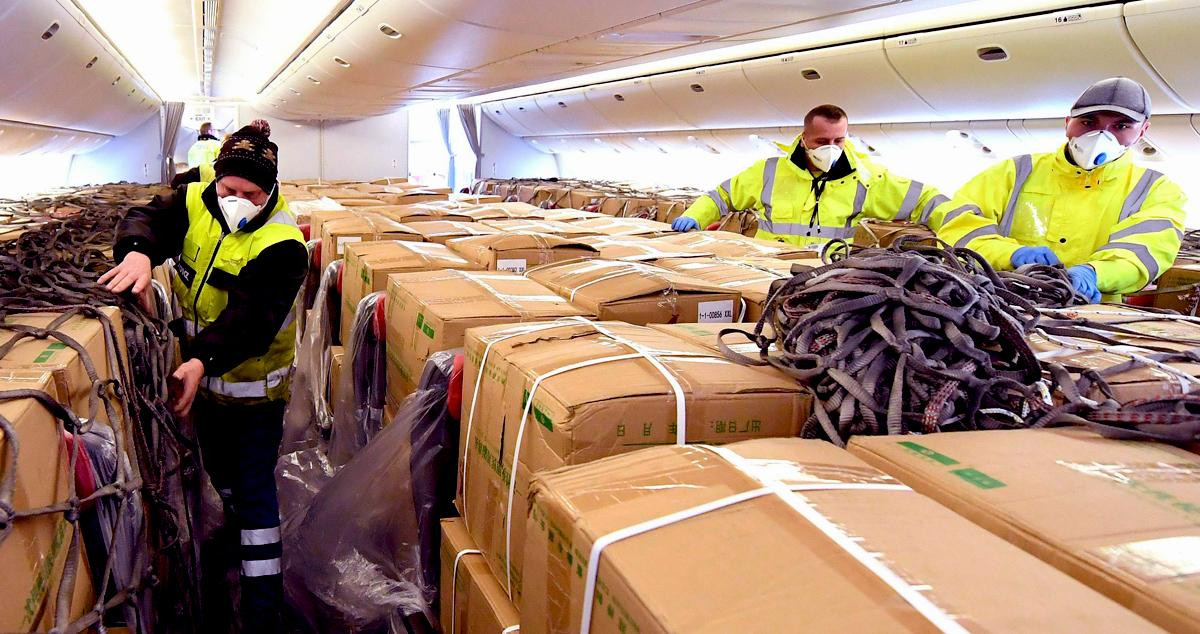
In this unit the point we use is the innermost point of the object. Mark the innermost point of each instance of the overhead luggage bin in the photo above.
(573, 114)
(998, 137)
(526, 111)
(750, 141)
(856, 77)
(1165, 32)
(1171, 137)
(1043, 135)
(633, 106)
(1026, 67)
(17, 138)
(716, 97)
(496, 112)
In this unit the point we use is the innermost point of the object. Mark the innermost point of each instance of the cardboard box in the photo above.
(391, 180)
(885, 233)
(588, 398)
(63, 362)
(476, 199)
(555, 227)
(1180, 282)
(670, 210)
(732, 245)
(753, 283)
(626, 227)
(638, 249)
(564, 215)
(368, 265)
(441, 231)
(516, 252)
(498, 211)
(414, 196)
(779, 562)
(35, 551)
(317, 219)
(627, 207)
(1119, 516)
(411, 213)
(430, 312)
(471, 598)
(336, 234)
(336, 193)
(707, 335)
(638, 293)
(1141, 382)
(337, 366)
(583, 198)
(526, 192)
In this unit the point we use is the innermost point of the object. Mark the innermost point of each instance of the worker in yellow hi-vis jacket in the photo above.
(819, 191)
(1115, 225)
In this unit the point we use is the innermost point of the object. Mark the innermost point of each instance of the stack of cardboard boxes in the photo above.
(35, 551)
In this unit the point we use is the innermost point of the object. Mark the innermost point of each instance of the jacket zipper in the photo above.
(203, 279)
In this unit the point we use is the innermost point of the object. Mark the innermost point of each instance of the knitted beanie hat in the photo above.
(250, 154)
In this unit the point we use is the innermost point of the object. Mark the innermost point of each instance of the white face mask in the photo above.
(1094, 149)
(824, 157)
(238, 211)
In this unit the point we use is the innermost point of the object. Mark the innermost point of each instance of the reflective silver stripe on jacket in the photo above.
(1146, 226)
(927, 212)
(958, 211)
(860, 199)
(1137, 196)
(769, 170)
(260, 567)
(986, 230)
(1024, 165)
(190, 326)
(911, 198)
(1141, 251)
(803, 229)
(246, 389)
(715, 195)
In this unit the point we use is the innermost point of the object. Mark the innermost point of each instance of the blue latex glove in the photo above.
(1083, 277)
(684, 223)
(1034, 255)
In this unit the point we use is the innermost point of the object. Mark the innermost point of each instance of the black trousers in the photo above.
(239, 445)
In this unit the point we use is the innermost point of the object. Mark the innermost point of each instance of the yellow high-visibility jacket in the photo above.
(1123, 220)
(789, 209)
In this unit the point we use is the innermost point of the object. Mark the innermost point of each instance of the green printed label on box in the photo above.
(978, 478)
(46, 354)
(928, 453)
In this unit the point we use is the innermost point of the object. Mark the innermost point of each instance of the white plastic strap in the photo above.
(640, 352)
(1187, 382)
(511, 629)
(454, 583)
(515, 331)
(773, 486)
(636, 266)
(513, 301)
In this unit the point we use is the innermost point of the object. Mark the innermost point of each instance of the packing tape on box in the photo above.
(1187, 382)
(765, 472)
(439, 253)
(640, 352)
(454, 583)
(512, 301)
(508, 333)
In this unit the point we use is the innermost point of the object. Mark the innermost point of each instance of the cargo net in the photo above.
(129, 481)
(910, 339)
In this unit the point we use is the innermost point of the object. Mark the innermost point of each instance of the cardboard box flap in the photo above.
(454, 294)
(1123, 517)
(472, 599)
(565, 215)
(496, 211)
(699, 370)
(433, 230)
(841, 567)
(596, 281)
(733, 245)
(541, 226)
(636, 248)
(367, 223)
(625, 226)
(400, 254)
(514, 240)
(753, 283)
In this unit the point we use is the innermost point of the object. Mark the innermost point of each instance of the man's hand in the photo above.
(133, 271)
(187, 379)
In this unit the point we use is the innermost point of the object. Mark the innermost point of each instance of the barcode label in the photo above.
(719, 312)
(342, 241)
(515, 265)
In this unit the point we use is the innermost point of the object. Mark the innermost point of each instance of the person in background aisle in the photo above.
(240, 261)
(1115, 225)
(203, 172)
(819, 191)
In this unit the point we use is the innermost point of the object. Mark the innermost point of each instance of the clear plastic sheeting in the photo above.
(358, 410)
(355, 558)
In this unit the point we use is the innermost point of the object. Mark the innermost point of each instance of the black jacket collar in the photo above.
(209, 197)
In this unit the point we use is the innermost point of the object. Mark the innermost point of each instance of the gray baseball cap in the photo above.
(1115, 94)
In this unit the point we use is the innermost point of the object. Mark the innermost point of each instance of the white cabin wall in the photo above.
(366, 149)
(133, 157)
(508, 156)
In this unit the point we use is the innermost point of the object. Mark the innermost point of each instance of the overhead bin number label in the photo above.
(908, 41)
(1068, 18)
(716, 312)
